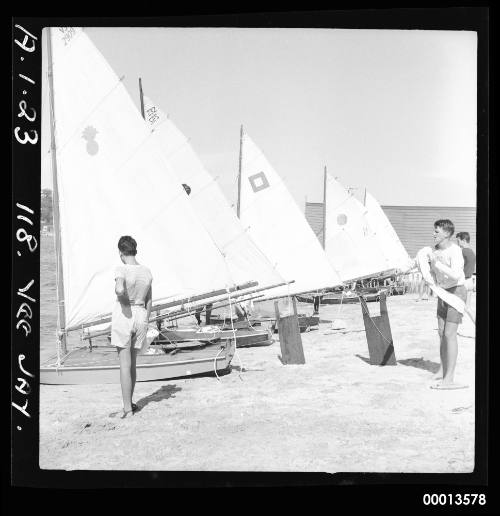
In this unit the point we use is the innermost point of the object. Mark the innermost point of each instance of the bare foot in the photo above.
(448, 386)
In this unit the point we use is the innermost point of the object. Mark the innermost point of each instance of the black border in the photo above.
(26, 167)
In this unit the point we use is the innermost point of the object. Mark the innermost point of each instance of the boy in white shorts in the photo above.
(129, 322)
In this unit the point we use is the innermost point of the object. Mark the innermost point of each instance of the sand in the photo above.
(334, 413)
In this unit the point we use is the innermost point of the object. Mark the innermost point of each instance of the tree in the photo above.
(46, 207)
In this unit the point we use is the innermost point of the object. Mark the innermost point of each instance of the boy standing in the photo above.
(129, 323)
(447, 269)
(463, 240)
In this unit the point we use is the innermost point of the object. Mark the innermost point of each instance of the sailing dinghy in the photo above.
(275, 222)
(109, 180)
(350, 242)
(396, 254)
(360, 243)
(219, 220)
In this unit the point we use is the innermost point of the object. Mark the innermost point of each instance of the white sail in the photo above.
(113, 182)
(394, 250)
(350, 242)
(278, 226)
(244, 259)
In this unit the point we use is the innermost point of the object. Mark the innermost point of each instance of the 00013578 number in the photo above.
(454, 499)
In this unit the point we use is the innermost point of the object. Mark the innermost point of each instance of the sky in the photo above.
(390, 111)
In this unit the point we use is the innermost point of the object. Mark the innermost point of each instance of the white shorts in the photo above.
(129, 326)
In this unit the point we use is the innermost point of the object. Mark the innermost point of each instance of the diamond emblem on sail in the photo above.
(89, 134)
(259, 182)
(342, 219)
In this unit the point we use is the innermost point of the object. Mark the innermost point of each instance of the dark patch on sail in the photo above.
(89, 134)
(258, 182)
(342, 219)
(187, 188)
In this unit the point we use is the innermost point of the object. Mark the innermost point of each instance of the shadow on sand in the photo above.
(364, 359)
(244, 369)
(420, 363)
(163, 393)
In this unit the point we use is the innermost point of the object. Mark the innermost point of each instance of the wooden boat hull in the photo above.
(100, 366)
(188, 335)
(244, 335)
(336, 299)
(305, 323)
(248, 337)
(237, 324)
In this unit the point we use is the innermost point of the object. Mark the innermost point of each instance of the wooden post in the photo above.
(55, 205)
(239, 173)
(292, 351)
(378, 334)
(142, 98)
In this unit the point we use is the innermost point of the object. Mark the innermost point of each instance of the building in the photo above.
(413, 224)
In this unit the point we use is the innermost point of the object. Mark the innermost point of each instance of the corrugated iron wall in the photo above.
(413, 224)
(314, 215)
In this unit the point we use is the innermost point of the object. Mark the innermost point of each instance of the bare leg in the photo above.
(450, 333)
(442, 345)
(126, 378)
(133, 369)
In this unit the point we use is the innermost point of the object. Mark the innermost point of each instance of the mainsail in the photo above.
(112, 182)
(242, 255)
(395, 253)
(350, 242)
(277, 225)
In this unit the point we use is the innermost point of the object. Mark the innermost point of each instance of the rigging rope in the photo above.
(234, 334)
(341, 301)
(373, 322)
(215, 362)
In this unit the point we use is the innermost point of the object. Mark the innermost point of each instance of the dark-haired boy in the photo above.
(129, 322)
(463, 240)
(447, 269)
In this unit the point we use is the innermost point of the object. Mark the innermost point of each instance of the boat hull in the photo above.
(306, 322)
(337, 299)
(100, 366)
(249, 337)
(245, 335)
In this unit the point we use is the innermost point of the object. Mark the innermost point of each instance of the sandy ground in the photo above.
(335, 413)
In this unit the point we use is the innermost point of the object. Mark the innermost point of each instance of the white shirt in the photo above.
(448, 269)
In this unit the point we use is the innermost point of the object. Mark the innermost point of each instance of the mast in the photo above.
(55, 205)
(364, 198)
(239, 173)
(324, 208)
(142, 98)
